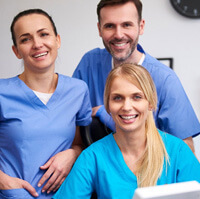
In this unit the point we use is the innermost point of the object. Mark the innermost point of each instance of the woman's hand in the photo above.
(8, 182)
(58, 167)
(95, 109)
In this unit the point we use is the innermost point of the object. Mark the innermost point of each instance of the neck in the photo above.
(131, 142)
(45, 83)
(134, 59)
(132, 148)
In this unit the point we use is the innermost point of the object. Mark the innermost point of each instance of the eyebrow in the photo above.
(120, 94)
(113, 23)
(27, 34)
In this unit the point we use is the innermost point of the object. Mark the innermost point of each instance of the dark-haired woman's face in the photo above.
(36, 42)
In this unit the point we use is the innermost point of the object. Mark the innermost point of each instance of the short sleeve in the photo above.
(176, 115)
(84, 114)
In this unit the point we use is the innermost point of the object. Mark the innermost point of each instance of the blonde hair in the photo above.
(150, 166)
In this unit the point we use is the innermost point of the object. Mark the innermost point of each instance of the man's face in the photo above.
(120, 28)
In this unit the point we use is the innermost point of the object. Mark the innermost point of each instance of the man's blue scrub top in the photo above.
(174, 113)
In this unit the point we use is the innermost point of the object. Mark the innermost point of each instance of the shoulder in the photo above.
(8, 82)
(165, 79)
(155, 66)
(73, 82)
(173, 144)
(169, 139)
(77, 89)
(93, 63)
(96, 52)
(102, 146)
(5, 81)
(95, 56)
(95, 154)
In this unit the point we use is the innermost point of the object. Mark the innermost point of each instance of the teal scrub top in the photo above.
(101, 168)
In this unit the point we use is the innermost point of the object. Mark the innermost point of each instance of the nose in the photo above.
(37, 43)
(118, 33)
(127, 105)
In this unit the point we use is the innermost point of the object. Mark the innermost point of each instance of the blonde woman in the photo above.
(137, 154)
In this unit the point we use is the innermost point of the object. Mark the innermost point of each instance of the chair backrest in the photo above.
(95, 131)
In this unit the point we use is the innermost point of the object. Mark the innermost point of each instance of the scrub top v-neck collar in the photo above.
(29, 93)
(128, 173)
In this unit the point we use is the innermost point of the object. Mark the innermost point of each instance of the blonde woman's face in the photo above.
(128, 106)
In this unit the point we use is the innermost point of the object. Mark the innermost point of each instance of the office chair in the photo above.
(93, 132)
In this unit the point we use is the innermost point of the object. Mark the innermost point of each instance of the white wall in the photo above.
(167, 34)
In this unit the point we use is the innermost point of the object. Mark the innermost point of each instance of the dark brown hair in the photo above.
(28, 12)
(104, 3)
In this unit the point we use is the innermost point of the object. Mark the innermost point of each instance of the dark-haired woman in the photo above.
(40, 112)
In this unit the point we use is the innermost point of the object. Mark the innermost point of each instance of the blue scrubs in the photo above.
(31, 132)
(101, 167)
(174, 114)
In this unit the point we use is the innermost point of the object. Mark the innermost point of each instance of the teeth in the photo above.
(119, 45)
(128, 117)
(40, 55)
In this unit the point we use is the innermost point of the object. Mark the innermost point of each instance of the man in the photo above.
(120, 24)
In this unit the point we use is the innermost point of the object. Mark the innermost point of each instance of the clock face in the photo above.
(187, 8)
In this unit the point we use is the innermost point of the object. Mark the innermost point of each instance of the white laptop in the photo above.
(183, 190)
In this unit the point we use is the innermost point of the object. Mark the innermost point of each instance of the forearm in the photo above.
(4, 180)
(77, 150)
(77, 145)
(105, 118)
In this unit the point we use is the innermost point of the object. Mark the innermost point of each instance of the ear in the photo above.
(150, 108)
(15, 50)
(99, 29)
(141, 25)
(58, 41)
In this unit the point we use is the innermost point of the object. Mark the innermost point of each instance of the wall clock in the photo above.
(187, 8)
